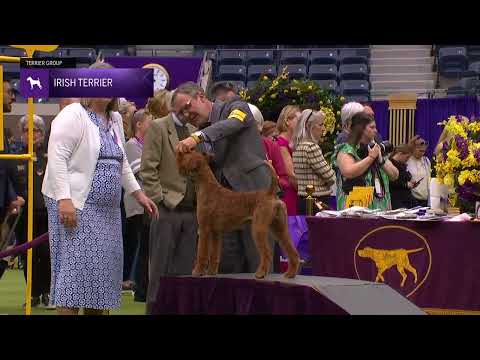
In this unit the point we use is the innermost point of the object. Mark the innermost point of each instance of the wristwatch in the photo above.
(198, 137)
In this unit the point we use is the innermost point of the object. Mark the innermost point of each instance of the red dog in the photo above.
(220, 210)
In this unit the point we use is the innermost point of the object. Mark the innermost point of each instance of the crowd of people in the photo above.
(120, 215)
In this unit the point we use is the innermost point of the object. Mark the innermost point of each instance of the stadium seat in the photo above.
(251, 84)
(353, 72)
(232, 72)
(231, 57)
(15, 84)
(324, 56)
(294, 57)
(353, 56)
(327, 84)
(466, 86)
(323, 72)
(473, 52)
(9, 51)
(60, 52)
(255, 71)
(355, 87)
(84, 56)
(452, 61)
(11, 69)
(296, 71)
(473, 70)
(260, 57)
(113, 52)
(357, 98)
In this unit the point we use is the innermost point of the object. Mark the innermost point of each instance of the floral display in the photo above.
(271, 95)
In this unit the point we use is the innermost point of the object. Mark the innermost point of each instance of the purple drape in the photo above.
(429, 113)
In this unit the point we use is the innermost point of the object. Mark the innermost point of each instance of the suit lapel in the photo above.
(172, 133)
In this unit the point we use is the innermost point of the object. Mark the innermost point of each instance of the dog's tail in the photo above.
(274, 184)
(414, 250)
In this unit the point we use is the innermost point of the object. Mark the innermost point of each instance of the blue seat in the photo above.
(231, 57)
(323, 72)
(232, 72)
(260, 57)
(113, 52)
(294, 57)
(353, 56)
(251, 84)
(9, 51)
(452, 61)
(324, 56)
(296, 71)
(473, 70)
(355, 87)
(60, 52)
(12, 69)
(473, 52)
(84, 55)
(327, 85)
(353, 72)
(255, 71)
(464, 87)
(357, 98)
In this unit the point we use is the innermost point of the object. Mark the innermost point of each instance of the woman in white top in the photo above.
(419, 166)
(82, 187)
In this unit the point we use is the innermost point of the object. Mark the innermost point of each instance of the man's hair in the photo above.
(222, 85)
(188, 88)
(349, 110)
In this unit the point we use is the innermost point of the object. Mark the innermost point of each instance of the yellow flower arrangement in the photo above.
(330, 120)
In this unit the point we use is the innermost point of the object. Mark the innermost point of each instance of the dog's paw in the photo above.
(290, 274)
(198, 272)
(260, 274)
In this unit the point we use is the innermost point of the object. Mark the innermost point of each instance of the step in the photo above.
(417, 84)
(402, 76)
(389, 47)
(403, 61)
(394, 53)
(385, 69)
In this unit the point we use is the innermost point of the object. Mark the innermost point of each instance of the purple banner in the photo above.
(66, 83)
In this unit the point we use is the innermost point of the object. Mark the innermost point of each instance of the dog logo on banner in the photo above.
(394, 255)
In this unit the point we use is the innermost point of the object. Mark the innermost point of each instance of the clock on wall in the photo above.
(161, 77)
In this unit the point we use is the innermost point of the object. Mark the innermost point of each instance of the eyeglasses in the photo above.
(184, 111)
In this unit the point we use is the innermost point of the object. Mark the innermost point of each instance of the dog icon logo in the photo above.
(34, 83)
(385, 259)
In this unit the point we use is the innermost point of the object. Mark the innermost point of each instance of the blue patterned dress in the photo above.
(87, 261)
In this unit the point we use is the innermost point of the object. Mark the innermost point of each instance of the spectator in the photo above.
(41, 254)
(308, 161)
(358, 170)
(137, 228)
(286, 123)
(420, 168)
(223, 91)
(82, 188)
(269, 130)
(347, 112)
(238, 164)
(159, 105)
(126, 109)
(173, 237)
(9, 201)
(369, 111)
(400, 188)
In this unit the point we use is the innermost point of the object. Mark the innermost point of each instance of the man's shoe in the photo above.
(35, 302)
(46, 302)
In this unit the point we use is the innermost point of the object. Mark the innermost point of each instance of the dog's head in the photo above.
(190, 163)
(365, 252)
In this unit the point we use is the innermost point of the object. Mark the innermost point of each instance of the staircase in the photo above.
(401, 68)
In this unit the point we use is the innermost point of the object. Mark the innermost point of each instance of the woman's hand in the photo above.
(147, 204)
(374, 152)
(67, 213)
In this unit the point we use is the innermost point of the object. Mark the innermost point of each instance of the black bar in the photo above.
(47, 63)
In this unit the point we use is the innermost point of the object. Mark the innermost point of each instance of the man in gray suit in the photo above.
(239, 159)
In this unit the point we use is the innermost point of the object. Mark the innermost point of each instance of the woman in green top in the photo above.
(356, 170)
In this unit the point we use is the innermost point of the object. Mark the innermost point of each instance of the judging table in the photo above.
(436, 265)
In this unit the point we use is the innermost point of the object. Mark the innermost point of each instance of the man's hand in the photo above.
(186, 145)
(16, 205)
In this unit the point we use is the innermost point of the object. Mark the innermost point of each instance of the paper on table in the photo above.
(460, 218)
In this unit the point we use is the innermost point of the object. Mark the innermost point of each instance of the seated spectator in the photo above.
(40, 254)
(346, 114)
(286, 123)
(138, 226)
(269, 130)
(159, 104)
(309, 164)
(420, 168)
(400, 189)
(358, 169)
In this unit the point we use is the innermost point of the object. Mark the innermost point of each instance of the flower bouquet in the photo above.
(458, 164)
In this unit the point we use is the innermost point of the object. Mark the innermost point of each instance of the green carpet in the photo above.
(12, 297)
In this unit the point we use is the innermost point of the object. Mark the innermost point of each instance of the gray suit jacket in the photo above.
(239, 154)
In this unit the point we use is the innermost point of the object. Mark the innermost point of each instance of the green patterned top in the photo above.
(383, 203)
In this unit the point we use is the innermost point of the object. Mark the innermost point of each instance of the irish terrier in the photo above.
(220, 210)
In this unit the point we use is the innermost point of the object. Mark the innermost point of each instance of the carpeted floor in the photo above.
(12, 297)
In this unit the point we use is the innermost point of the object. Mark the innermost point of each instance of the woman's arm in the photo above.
(319, 165)
(390, 170)
(287, 159)
(350, 169)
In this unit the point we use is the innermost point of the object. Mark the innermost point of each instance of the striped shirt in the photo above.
(311, 169)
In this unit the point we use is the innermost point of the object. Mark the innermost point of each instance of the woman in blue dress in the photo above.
(82, 187)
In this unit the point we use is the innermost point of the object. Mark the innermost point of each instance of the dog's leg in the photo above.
(410, 268)
(280, 230)
(202, 254)
(402, 272)
(215, 252)
(260, 224)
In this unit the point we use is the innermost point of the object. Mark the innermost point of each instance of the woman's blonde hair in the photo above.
(285, 114)
(159, 104)
(303, 130)
(112, 105)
